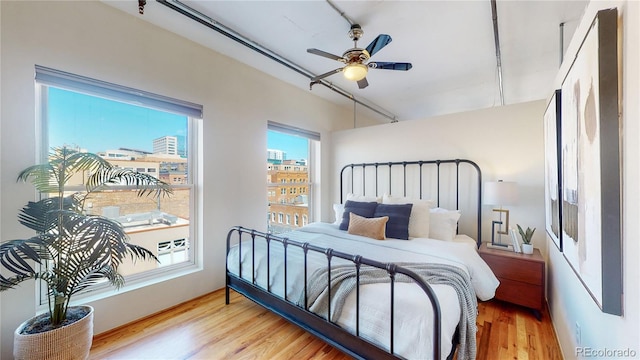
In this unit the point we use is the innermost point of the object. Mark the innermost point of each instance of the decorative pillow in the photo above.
(370, 227)
(419, 220)
(443, 224)
(338, 210)
(398, 224)
(363, 198)
(365, 209)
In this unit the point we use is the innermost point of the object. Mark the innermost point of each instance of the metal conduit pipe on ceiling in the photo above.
(496, 38)
(235, 36)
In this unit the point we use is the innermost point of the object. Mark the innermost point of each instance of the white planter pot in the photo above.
(71, 341)
(527, 249)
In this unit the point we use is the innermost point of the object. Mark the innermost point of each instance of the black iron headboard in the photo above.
(454, 184)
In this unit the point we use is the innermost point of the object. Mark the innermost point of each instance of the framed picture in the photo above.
(552, 171)
(591, 163)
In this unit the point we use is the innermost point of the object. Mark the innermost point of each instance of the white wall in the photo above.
(98, 41)
(506, 142)
(568, 300)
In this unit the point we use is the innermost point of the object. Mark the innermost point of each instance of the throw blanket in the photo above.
(343, 281)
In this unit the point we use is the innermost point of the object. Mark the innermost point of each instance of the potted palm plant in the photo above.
(71, 250)
(527, 235)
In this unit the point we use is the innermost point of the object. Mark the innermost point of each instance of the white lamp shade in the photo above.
(500, 193)
(355, 72)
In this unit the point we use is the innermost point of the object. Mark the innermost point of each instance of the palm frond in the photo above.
(141, 253)
(44, 178)
(15, 256)
(78, 162)
(97, 276)
(145, 183)
(42, 216)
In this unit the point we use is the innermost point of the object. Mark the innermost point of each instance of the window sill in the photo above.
(105, 291)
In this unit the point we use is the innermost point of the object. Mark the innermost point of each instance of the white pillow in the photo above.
(363, 198)
(443, 224)
(338, 210)
(420, 215)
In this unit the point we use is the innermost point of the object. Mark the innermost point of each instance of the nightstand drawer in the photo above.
(522, 271)
(520, 293)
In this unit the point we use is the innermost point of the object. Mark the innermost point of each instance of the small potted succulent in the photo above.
(527, 235)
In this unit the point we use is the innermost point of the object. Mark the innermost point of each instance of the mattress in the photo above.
(413, 317)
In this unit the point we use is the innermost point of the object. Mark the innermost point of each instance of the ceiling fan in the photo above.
(356, 67)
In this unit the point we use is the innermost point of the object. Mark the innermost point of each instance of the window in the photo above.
(296, 220)
(289, 151)
(280, 218)
(135, 130)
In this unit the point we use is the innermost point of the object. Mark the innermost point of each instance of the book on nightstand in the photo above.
(514, 241)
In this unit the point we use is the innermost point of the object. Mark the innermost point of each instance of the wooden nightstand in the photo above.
(522, 277)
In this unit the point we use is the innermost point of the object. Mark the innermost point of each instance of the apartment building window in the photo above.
(296, 220)
(292, 150)
(124, 126)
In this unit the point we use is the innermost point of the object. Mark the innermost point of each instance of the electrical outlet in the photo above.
(578, 334)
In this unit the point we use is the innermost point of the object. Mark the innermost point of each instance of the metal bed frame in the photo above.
(350, 343)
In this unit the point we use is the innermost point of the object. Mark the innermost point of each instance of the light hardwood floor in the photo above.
(205, 328)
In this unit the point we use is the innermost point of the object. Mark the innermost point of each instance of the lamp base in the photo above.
(504, 247)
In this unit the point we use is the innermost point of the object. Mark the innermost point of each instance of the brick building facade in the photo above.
(288, 195)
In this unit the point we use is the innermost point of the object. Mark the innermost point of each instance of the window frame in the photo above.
(312, 165)
(46, 78)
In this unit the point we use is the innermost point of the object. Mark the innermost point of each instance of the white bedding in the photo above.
(413, 327)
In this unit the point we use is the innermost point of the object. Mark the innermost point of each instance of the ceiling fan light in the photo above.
(355, 71)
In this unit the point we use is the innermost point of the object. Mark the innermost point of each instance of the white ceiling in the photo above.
(449, 43)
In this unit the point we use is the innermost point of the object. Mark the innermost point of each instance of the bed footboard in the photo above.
(350, 343)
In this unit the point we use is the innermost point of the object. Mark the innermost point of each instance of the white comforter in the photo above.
(413, 314)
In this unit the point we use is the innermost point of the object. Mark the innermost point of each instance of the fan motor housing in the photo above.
(356, 55)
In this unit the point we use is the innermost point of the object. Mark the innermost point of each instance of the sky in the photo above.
(98, 124)
(296, 147)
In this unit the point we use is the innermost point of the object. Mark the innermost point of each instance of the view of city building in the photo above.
(287, 192)
(160, 225)
(166, 145)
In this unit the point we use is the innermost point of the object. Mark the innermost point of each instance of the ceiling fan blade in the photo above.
(363, 83)
(389, 65)
(378, 43)
(328, 73)
(325, 54)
